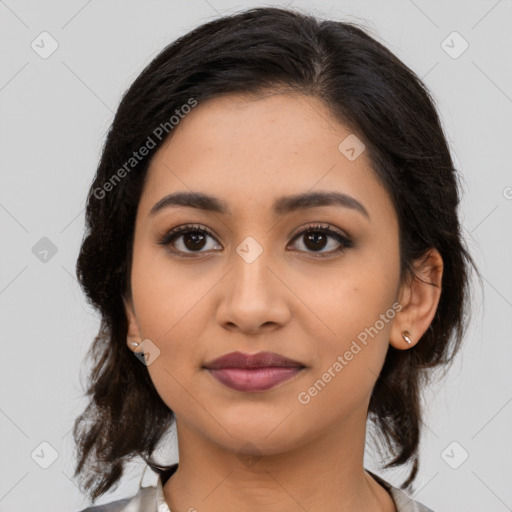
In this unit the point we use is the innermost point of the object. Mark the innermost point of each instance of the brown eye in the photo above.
(194, 240)
(316, 238)
(315, 241)
(188, 239)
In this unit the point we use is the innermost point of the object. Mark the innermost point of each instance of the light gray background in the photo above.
(54, 116)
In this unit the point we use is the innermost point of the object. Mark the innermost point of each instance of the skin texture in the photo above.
(245, 451)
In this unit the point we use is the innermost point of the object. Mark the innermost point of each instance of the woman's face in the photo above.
(252, 283)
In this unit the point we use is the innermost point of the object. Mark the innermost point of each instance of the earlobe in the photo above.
(419, 298)
(133, 336)
(406, 335)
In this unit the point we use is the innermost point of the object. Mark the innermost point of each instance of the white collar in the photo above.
(161, 504)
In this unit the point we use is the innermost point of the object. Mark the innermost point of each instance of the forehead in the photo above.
(272, 124)
(248, 150)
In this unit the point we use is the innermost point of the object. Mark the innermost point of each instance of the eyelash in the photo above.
(175, 233)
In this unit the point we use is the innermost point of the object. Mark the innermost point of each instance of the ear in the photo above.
(419, 297)
(133, 334)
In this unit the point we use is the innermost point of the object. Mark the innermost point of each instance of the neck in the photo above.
(325, 474)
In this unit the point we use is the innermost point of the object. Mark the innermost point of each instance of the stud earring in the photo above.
(406, 336)
(134, 344)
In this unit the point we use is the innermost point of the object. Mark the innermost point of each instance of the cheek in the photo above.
(166, 296)
(356, 313)
(177, 330)
(349, 361)
(170, 312)
(346, 304)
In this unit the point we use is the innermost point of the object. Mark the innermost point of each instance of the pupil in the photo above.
(314, 237)
(195, 239)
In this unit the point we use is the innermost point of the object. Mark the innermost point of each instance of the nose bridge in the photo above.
(254, 295)
(250, 279)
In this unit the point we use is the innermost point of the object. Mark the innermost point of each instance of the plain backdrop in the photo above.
(55, 111)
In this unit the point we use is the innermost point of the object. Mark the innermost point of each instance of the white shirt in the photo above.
(151, 499)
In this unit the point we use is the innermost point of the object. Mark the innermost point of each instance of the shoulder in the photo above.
(403, 502)
(406, 504)
(143, 501)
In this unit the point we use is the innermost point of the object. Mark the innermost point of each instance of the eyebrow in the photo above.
(282, 205)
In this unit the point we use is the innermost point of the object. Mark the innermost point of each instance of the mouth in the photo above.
(252, 373)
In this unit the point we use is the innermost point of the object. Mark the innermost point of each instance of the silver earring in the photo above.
(134, 344)
(406, 336)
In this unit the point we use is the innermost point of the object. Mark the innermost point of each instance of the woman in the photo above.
(274, 248)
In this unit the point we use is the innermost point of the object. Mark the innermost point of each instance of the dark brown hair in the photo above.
(368, 89)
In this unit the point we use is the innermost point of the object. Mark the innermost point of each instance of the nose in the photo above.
(254, 297)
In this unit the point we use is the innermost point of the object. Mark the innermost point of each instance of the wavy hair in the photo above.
(367, 88)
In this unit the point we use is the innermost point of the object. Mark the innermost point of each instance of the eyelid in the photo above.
(318, 226)
(341, 237)
(170, 234)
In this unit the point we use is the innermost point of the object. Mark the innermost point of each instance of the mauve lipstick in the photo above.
(253, 372)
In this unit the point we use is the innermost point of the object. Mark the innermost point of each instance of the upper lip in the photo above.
(259, 360)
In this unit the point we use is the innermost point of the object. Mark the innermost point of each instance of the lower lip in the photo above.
(257, 379)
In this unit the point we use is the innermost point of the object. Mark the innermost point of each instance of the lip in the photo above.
(253, 372)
